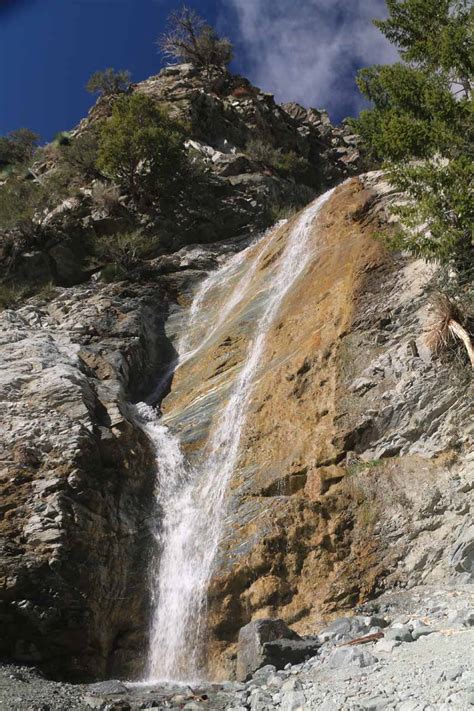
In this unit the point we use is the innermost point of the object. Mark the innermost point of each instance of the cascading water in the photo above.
(192, 500)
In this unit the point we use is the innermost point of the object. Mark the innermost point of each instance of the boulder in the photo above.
(462, 555)
(351, 656)
(399, 634)
(284, 651)
(252, 651)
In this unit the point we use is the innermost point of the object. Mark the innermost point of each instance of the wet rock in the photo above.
(107, 688)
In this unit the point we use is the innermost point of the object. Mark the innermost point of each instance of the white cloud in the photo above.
(306, 50)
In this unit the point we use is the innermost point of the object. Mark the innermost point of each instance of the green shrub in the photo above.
(288, 163)
(106, 197)
(142, 150)
(78, 157)
(17, 147)
(19, 200)
(109, 82)
(47, 291)
(112, 272)
(263, 152)
(281, 211)
(292, 164)
(10, 296)
(124, 250)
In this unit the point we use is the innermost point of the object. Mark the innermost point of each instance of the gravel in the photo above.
(424, 662)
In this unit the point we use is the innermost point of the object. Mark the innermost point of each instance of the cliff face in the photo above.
(76, 480)
(354, 461)
(354, 471)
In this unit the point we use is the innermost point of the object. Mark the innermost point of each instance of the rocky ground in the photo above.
(418, 657)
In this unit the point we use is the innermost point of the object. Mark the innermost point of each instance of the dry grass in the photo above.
(446, 326)
(106, 197)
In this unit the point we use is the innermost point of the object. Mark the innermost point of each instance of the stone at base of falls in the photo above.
(284, 651)
(268, 641)
(111, 686)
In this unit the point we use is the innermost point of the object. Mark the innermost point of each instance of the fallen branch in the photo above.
(363, 640)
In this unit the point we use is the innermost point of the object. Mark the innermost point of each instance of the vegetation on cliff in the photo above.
(109, 82)
(190, 39)
(421, 125)
(142, 149)
(195, 154)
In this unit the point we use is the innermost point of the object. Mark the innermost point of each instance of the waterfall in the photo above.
(192, 500)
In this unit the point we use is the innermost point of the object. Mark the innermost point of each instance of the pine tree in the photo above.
(142, 149)
(420, 124)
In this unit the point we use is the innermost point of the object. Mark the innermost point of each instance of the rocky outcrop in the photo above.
(355, 473)
(77, 478)
(250, 160)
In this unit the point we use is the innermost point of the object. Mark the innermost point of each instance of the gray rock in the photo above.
(291, 684)
(374, 703)
(461, 558)
(350, 656)
(386, 646)
(422, 631)
(347, 628)
(106, 688)
(464, 618)
(252, 653)
(275, 681)
(293, 701)
(264, 672)
(282, 651)
(400, 634)
(453, 674)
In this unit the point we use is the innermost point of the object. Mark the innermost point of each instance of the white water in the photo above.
(192, 501)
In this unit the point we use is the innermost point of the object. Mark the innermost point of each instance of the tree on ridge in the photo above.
(191, 39)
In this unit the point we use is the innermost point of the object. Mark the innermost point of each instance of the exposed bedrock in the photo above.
(355, 473)
(354, 469)
(77, 478)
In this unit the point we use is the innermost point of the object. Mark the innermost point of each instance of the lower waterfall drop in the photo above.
(192, 500)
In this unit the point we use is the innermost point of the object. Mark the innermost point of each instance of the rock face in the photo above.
(78, 472)
(355, 471)
(77, 479)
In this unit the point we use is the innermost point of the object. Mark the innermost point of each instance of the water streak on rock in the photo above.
(191, 501)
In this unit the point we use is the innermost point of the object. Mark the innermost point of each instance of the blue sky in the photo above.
(303, 50)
